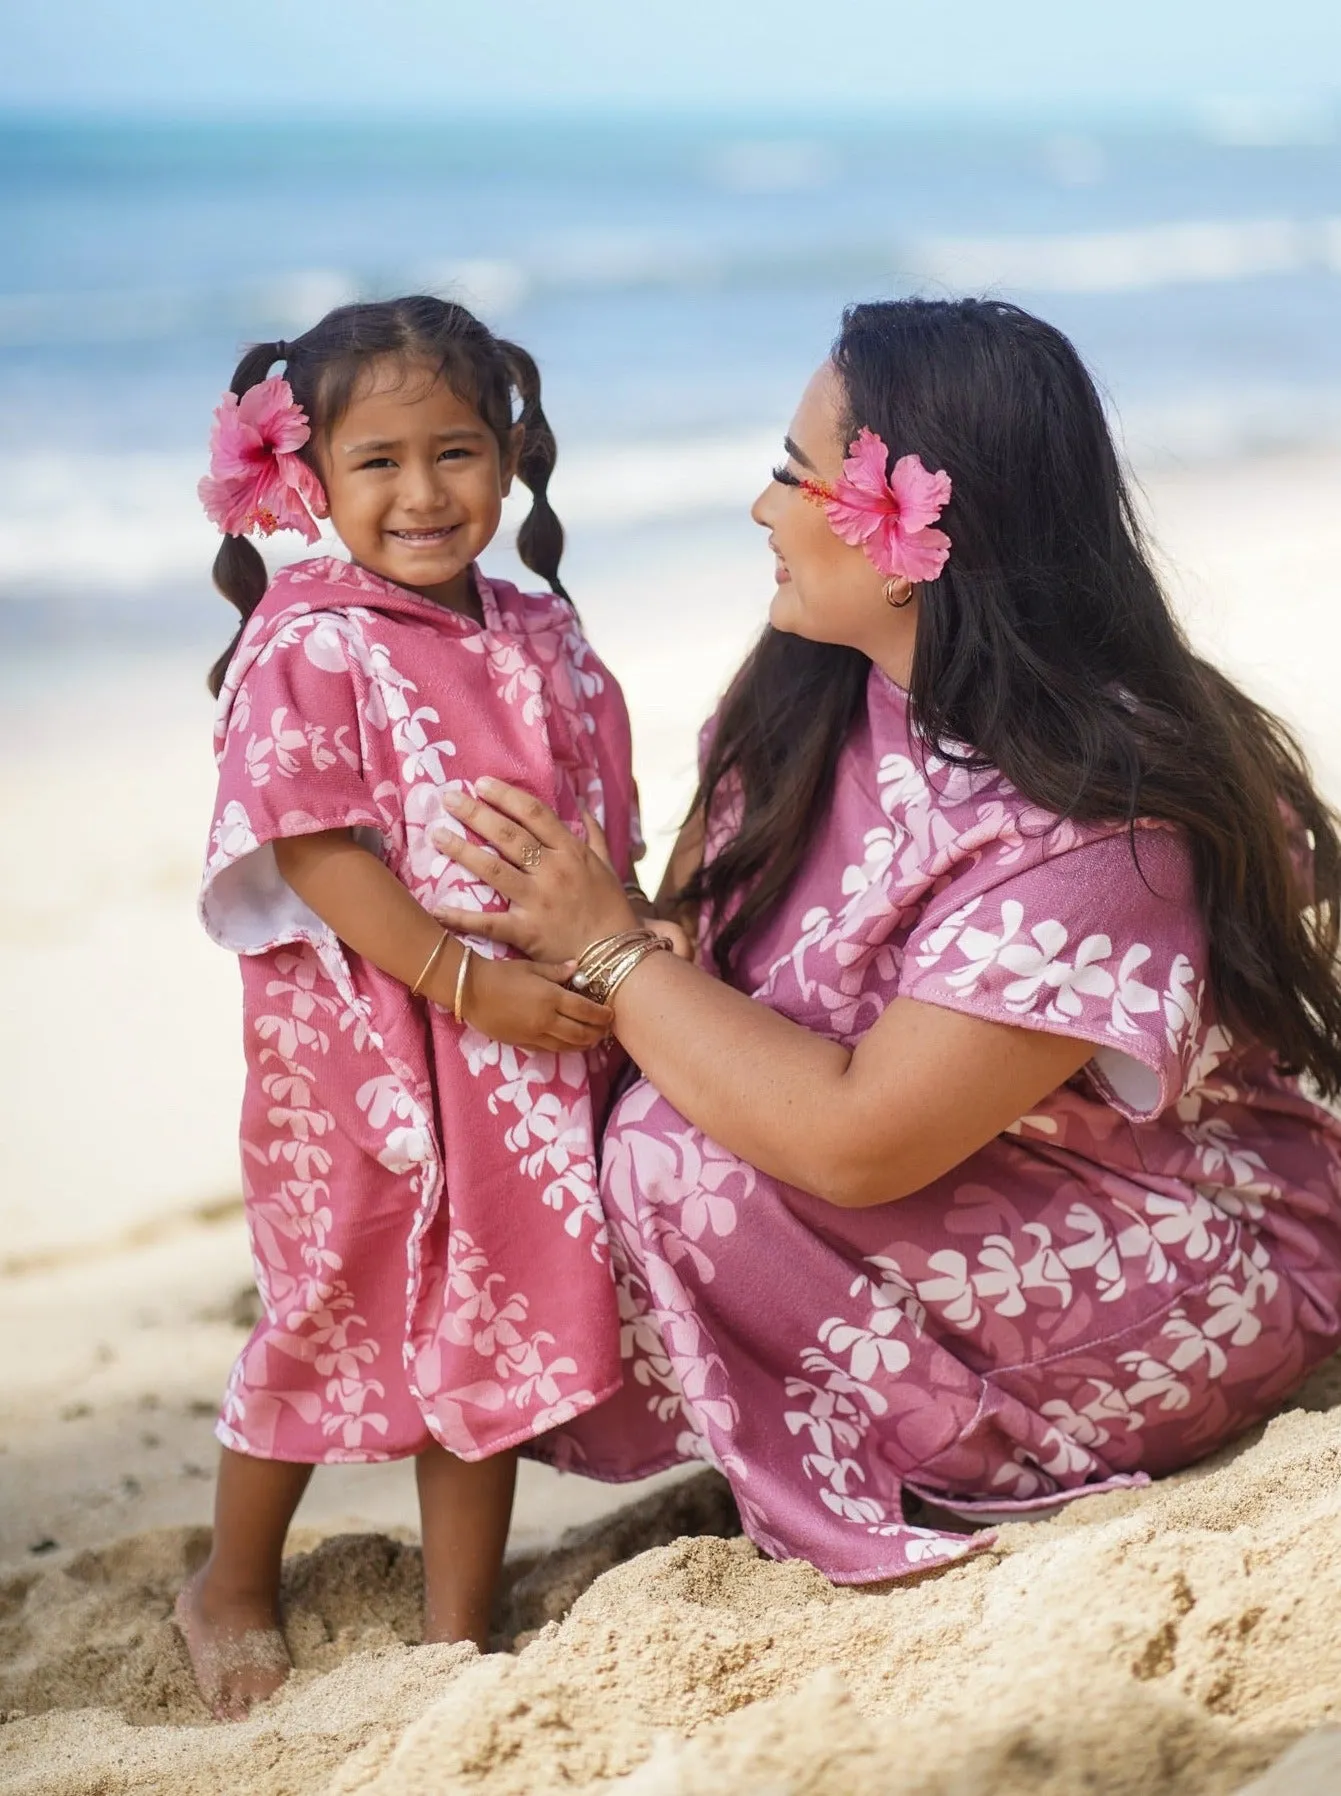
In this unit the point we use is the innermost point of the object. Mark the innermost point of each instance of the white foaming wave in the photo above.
(1125, 261)
(131, 522)
(1136, 259)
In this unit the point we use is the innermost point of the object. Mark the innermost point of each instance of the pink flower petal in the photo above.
(854, 523)
(227, 502)
(864, 469)
(921, 497)
(269, 409)
(308, 487)
(924, 554)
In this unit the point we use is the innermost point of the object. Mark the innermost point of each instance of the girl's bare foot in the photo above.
(236, 1650)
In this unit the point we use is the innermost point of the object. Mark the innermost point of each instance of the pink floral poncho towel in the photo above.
(1134, 1273)
(422, 1200)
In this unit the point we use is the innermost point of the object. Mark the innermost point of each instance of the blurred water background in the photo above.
(677, 277)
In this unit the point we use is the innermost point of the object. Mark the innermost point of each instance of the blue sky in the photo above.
(175, 57)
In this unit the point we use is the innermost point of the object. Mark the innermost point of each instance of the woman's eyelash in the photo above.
(784, 476)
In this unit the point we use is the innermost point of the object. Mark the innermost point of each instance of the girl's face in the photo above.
(416, 482)
(827, 590)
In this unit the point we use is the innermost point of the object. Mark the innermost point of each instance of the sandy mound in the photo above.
(96, 1693)
(1175, 1640)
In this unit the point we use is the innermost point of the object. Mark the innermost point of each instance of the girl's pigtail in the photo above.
(239, 573)
(540, 539)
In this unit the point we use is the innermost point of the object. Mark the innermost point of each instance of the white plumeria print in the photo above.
(1131, 998)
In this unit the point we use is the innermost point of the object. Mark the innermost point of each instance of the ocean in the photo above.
(677, 280)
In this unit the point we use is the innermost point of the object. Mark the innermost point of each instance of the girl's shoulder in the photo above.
(525, 613)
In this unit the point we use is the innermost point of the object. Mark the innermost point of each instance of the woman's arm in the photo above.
(924, 1089)
(372, 912)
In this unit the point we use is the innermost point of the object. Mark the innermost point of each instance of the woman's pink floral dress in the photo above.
(422, 1200)
(1124, 1279)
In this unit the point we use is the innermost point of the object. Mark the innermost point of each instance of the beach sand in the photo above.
(1183, 1639)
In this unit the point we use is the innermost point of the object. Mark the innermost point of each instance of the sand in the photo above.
(1184, 1639)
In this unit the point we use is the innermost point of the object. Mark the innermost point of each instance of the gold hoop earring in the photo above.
(890, 588)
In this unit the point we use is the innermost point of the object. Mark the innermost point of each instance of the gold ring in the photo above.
(530, 856)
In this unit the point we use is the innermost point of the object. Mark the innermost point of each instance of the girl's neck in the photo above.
(460, 594)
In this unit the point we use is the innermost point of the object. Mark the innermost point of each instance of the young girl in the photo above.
(417, 1130)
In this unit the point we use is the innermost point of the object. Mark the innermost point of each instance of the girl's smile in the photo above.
(424, 539)
(416, 481)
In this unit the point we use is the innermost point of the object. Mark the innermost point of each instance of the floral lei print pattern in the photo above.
(1118, 1283)
(422, 1201)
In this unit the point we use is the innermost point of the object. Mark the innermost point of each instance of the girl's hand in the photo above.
(562, 894)
(528, 1005)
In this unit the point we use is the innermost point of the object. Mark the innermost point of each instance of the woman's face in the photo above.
(827, 590)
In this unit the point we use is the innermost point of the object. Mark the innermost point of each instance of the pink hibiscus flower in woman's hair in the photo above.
(256, 481)
(889, 516)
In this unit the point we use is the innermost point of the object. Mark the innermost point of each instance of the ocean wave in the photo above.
(1140, 258)
(127, 523)
(1131, 260)
(130, 524)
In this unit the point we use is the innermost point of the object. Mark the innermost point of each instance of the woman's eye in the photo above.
(785, 477)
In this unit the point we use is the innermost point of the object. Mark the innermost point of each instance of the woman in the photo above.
(984, 1171)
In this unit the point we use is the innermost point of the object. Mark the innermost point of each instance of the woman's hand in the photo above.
(529, 1005)
(562, 894)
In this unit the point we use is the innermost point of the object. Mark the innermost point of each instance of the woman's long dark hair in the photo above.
(1048, 646)
(324, 366)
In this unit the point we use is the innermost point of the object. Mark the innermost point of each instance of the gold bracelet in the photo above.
(458, 1000)
(654, 944)
(605, 965)
(432, 961)
(597, 959)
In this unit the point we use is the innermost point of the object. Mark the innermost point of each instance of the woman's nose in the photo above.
(759, 510)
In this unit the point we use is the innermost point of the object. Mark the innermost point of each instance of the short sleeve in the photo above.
(292, 762)
(1101, 941)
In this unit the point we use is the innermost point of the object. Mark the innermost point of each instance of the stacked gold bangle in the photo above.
(605, 965)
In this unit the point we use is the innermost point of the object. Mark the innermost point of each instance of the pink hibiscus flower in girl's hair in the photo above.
(256, 480)
(888, 515)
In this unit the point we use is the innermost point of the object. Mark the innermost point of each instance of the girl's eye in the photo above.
(377, 461)
(454, 455)
(784, 476)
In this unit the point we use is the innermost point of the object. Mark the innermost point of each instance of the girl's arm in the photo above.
(684, 862)
(372, 912)
(660, 914)
(924, 1089)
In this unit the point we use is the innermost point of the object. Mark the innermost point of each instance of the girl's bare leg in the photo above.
(464, 1512)
(228, 1613)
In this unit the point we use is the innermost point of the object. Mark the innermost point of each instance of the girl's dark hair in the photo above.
(324, 366)
(1047, 645)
